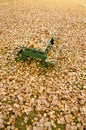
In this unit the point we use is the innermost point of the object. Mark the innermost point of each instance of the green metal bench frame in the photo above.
(35, 53)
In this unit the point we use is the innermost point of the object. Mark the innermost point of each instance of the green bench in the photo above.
(35, 53)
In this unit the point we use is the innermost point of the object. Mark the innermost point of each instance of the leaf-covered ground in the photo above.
(33, 97)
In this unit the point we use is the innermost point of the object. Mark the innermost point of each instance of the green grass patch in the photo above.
(61, 126)
(20, 124)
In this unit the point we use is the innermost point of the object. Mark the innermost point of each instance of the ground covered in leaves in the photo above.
(33, 97)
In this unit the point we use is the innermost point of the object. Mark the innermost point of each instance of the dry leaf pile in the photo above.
(33, 97)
